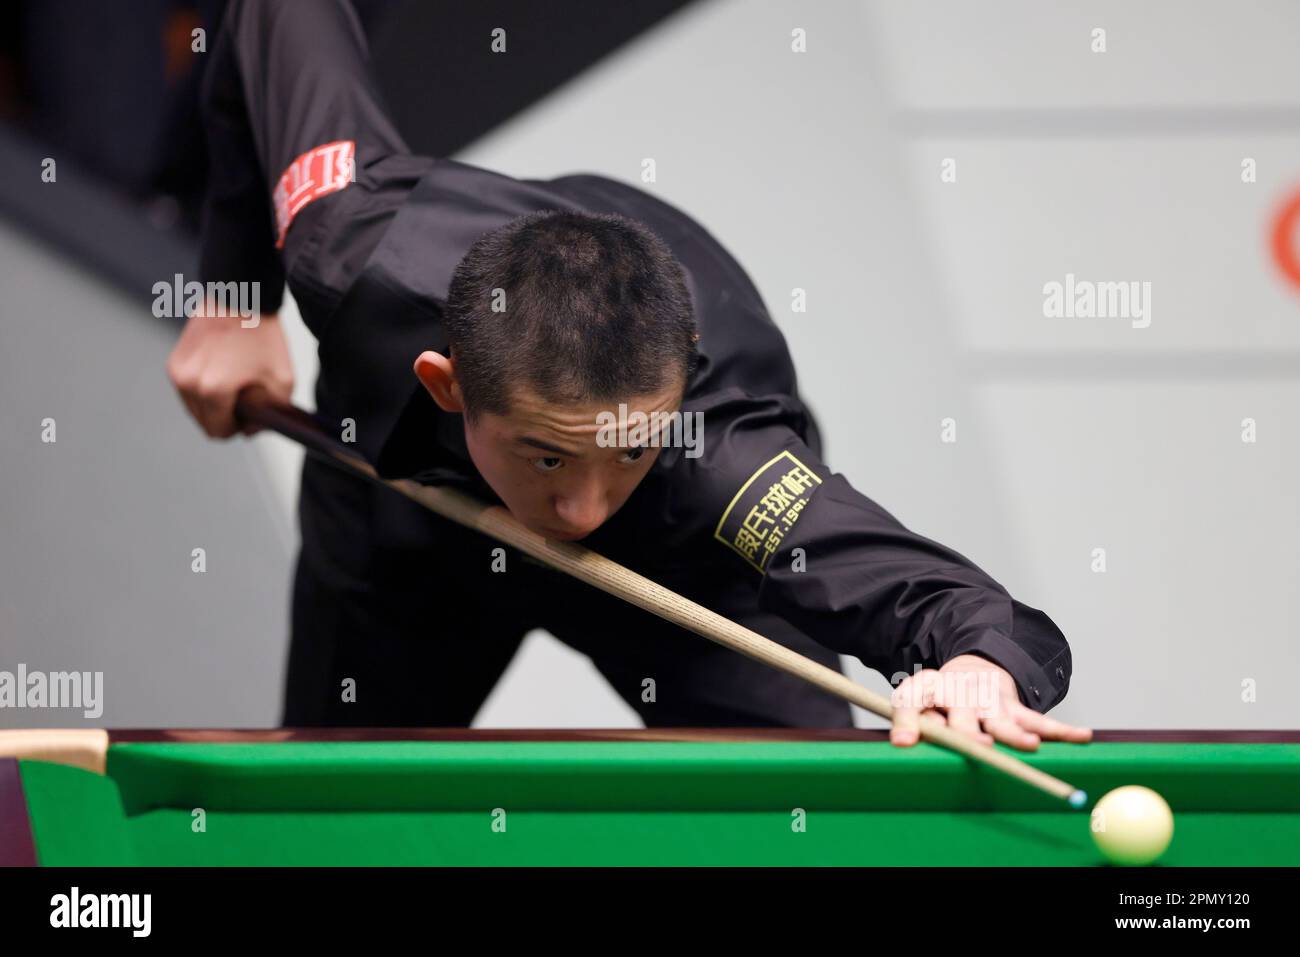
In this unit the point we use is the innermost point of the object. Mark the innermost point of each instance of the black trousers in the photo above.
(401, 619)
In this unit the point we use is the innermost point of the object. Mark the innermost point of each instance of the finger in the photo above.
(906, 728)
(216, 411)
(191, 405)
(927, 689)
(203, 415)
(278, 390)
(914, 695)
(1049, 729)
(957, 693)
(929, 717)
(1007, 730)
(967, 721)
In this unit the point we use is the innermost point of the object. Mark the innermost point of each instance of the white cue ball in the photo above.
(1132, 825)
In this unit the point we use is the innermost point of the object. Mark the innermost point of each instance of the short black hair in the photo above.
(588, 308)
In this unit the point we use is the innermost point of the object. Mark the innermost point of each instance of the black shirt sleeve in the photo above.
(294, 121)
(843, 570)
(237, 243)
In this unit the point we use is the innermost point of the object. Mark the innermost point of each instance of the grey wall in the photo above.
(97, 528)
(821, 172)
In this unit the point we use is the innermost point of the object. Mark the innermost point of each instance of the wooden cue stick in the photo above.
(609, 576)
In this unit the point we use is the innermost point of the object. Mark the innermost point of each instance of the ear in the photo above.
(438, 375)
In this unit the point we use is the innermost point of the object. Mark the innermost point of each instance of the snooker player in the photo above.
(528, 310)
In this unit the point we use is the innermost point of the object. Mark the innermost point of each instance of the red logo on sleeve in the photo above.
(316, 173)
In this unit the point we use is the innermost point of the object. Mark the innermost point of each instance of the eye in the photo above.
(548, 464)
(632, 455)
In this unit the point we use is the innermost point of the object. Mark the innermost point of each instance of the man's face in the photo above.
(545, 463)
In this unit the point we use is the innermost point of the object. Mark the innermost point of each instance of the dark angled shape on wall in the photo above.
(445, 86)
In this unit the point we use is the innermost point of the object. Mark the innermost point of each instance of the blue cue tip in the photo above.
(1078, 799)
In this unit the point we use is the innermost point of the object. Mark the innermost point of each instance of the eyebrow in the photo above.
(545, 446)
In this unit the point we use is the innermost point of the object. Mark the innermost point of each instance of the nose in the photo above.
(583, 510)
